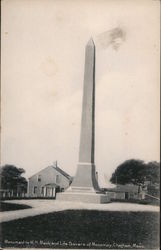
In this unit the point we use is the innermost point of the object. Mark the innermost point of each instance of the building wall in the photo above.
(128, 196)
(120, 196)
(46, 176)
(125, 195)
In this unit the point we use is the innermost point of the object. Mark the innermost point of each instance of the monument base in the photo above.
(83, 197)
(84, 187)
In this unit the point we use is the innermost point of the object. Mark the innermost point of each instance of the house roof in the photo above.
(63, 172)
(57, 169)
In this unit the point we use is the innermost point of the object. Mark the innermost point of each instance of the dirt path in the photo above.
(47, 206)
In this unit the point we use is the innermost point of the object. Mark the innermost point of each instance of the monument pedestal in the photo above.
(84, 187)
(85, 178)
(83, 197)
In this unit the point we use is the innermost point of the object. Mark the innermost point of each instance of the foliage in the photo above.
(11, 179)
(136, 172)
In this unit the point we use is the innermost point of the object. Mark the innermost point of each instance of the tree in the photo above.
(11, 179)
(152, 172)
(136, 172)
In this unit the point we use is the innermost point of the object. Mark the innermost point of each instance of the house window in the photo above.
(39, 178)
(35, 189)
(58, 179)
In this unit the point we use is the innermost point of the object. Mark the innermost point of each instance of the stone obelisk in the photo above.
(86, 176)
(85, 186)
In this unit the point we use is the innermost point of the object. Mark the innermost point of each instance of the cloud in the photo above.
(114, 37)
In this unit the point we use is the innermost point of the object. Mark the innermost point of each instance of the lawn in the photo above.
(11, 207)
(84, 229)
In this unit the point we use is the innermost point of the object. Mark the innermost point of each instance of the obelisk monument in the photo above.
(86, 176)
(85, 185)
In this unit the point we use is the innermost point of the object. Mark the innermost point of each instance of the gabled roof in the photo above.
(55, 168)
(63, 172)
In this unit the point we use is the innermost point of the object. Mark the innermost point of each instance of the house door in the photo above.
(126, 196)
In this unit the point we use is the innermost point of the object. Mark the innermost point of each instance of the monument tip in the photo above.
(90, 42)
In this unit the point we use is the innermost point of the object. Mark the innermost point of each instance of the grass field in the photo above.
(84, 229)
(11, 207)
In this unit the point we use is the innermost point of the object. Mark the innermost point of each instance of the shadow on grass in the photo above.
(84, 229)
(152, 202)
(11, 207)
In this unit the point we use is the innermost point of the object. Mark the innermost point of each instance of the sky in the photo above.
(43, 55)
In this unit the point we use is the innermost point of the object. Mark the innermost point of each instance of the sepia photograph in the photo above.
(80, 124)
